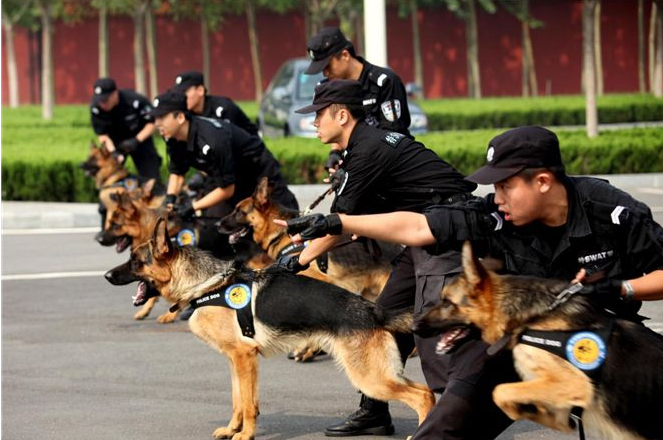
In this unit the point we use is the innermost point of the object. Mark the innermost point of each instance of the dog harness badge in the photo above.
(238, 296)
(186, 237)
(586, 350)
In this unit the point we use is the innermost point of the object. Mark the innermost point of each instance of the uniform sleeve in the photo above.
(394, 113)
(177, 163)
(100, 124)
(453, 225)
(363, 174)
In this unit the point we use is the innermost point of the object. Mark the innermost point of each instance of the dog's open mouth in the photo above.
(236, 235)
(450, 339)
(140, 297)
(122, 243)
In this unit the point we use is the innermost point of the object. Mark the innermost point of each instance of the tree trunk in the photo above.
(103, 41)
(591, 114)
(151, 42)
(139, 52)
(416, 49)
(597, 49)
(652, 44)
(361, 42)
(642, 86)
(474, 76)
(204, 38)
(12, 70)
(47, 89)
(253, 39)
(658, 66)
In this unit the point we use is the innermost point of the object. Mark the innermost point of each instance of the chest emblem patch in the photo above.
(186, 237)
(391, 110)
(586, 350)
(238, 295)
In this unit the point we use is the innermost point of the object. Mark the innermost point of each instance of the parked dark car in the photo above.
(291, 89)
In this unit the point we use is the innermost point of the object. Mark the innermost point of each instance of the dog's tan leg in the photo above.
(244, 359)
(146, 309)
(167, 317)
(235, 424)
(372, 363)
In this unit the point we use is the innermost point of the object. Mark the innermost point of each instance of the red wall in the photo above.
(557, 51)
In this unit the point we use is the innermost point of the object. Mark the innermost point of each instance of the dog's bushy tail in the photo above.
(398, 321)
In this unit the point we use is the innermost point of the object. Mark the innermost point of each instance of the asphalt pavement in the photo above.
(76, 365)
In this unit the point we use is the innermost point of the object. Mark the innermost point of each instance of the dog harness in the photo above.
(129, 183)
(235, 296)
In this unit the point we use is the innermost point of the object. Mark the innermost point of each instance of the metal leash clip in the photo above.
(565, 294)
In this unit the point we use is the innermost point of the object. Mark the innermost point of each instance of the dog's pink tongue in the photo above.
(139, 298)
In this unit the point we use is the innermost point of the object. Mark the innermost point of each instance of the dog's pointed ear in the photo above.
(261, 194)
(473, 270)
(162, 244)
(148, 188)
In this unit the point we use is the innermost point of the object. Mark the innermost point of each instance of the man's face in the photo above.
(110, 102)
(338, 67)
(168, 125)
(519, 200)
(194, 97)
(328, 130)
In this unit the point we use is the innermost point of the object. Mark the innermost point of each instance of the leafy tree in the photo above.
(13, 13)
(656, 49)
(589, 67)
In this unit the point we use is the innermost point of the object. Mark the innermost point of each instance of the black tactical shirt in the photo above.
(387, 171)
(125, 120)
(221, 107)
(606, 229)
(229, 155)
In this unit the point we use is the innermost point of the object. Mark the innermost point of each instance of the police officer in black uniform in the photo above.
(233, 158)
(199, 103)
(383, 171)
(539, 222)
(383, 92)
(121, 120)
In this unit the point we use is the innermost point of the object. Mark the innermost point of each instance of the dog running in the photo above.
(243, 313)
(576, 360)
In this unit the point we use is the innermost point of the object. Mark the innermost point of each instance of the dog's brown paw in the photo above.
(140, 315)
(167, 318)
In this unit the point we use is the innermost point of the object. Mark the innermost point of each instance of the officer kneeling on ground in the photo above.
(230, 156)
(539, 222)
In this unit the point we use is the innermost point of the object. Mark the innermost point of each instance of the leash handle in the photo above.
(565, 294)
(317, 201)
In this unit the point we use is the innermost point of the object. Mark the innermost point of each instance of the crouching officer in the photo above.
(199, 103)
(384, 171)
(122, 122)
(539, 222)
(383, 94)
(230, 156)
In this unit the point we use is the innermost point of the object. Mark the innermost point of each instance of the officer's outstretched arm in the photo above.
(107, 141)
(146, 132)
(175, 184)
(317, 247)
(214, 197)
(408, 228)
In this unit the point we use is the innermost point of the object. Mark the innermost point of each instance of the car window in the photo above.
(306, 85)
(284, 76)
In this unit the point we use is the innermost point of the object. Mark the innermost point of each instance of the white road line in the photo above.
(49, 275)
(49, 231)
(651, 190)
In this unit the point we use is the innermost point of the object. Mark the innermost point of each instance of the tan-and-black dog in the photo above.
(351, 266)
(286, 309)
(573, 357)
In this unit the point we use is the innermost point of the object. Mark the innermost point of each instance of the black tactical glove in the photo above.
(128, 146)
(315, 225)
(337, 179)
(335, 156)
(290, 263)
(195, 182)
(169, 199)
(119, 157)
(606, 291)
(185, 209)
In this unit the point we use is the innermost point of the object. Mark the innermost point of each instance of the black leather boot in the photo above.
(372, 417)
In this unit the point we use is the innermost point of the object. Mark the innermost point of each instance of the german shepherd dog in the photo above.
(621, 400)
(286, 310)
(110, 177)
(351, 266)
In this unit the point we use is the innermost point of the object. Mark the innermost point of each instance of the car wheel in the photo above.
(286, 131)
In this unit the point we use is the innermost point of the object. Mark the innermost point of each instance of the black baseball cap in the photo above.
(169, 101)
(329, 41)
(514, 150)
(187, 79)
(338, 91)
(102, 89)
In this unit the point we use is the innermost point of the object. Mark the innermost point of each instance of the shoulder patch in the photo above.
(136, 103)
(214, 122)
(381, 79)
(393, 138)
(620, 212)
(219, 111)
(94, 110)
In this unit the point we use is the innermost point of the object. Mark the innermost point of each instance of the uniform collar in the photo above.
(360, 128)
(365, 71)
(193, 134)
(577, 222)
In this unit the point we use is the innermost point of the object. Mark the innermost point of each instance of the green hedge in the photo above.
(638, 150)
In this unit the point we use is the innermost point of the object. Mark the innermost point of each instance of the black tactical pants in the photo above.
(465, 378)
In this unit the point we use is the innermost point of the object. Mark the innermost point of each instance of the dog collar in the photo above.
(237, 296)
(292, 248)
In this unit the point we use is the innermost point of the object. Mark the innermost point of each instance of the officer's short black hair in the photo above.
(357, 111)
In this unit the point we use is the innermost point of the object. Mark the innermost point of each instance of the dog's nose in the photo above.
(99, 237)
(109, 276)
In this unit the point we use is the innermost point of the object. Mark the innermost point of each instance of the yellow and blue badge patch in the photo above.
(586, 350)
(238, 296)
(186, 237)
